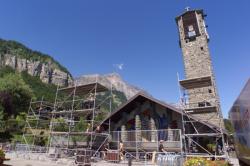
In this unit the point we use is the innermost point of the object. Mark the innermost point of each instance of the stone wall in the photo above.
(197, 63)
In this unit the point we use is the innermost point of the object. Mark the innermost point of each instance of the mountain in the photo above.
(20, 58)
(41, 72)
(26, 74)
(115, 79)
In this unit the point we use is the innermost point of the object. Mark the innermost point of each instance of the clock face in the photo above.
(190, 25)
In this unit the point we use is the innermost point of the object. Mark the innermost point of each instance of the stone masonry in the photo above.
(197, 62)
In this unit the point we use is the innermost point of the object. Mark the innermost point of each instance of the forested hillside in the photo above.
(27, 75)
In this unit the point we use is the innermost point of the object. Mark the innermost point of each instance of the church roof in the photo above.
(139, 97)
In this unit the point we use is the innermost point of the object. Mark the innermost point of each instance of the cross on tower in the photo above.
(187, 8)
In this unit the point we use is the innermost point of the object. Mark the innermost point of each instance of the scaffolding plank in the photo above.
(196, 82)
(83, 111)
(203, 134)
(204, 155)
(78, 133)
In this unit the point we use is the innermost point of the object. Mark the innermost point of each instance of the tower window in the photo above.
(202, 48)
(209, 90)
(191, 31)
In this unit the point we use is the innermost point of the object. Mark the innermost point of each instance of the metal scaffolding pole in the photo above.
(193, 126)
(84, 105)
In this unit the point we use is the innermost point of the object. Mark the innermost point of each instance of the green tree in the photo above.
(6, 70)
(15, 94)
(40, 89)
(60, 125)
(2, 121)
(41, 139)
(228, 126)
(81, 125)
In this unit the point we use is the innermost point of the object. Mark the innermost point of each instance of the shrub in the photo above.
(196, 161)
(2, 154)
(211, 147)
(60, 125)
(218, 163)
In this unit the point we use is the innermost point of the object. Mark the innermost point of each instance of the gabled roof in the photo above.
(140, 96)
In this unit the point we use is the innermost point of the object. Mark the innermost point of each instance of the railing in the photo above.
(30, 148)
(83, 157)
(147, 139)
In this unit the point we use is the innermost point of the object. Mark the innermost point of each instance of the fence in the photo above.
(162, 159)
(147, 140)
(83, 157)
(28, 148)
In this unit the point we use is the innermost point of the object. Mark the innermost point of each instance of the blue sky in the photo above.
(95, 36)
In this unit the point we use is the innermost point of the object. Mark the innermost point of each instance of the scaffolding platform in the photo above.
(78, 133)
(198, 110)
(199, 82)
(84, 89)
(203, 135)
(75, 119)
(74, 112)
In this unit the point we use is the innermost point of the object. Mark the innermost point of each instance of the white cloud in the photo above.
(119, 66)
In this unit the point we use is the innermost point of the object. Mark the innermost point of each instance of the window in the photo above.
(202, 48)
(201, 104)
(204, 104)
(210, 91)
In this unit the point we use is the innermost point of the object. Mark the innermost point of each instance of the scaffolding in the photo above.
(203, 126)
(37, 124)
(75, 130)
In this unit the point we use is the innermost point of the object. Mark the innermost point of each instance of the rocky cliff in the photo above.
(115, 79)
(21, 58)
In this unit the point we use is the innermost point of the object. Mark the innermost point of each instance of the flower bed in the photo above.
(198, 161)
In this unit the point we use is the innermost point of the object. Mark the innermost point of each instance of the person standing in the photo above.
(121, 150)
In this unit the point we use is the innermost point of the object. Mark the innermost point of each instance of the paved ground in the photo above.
(41, 160)
(24, 162)
(234, 161)
(34, 160)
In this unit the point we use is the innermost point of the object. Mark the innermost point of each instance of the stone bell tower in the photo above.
(201, 94)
